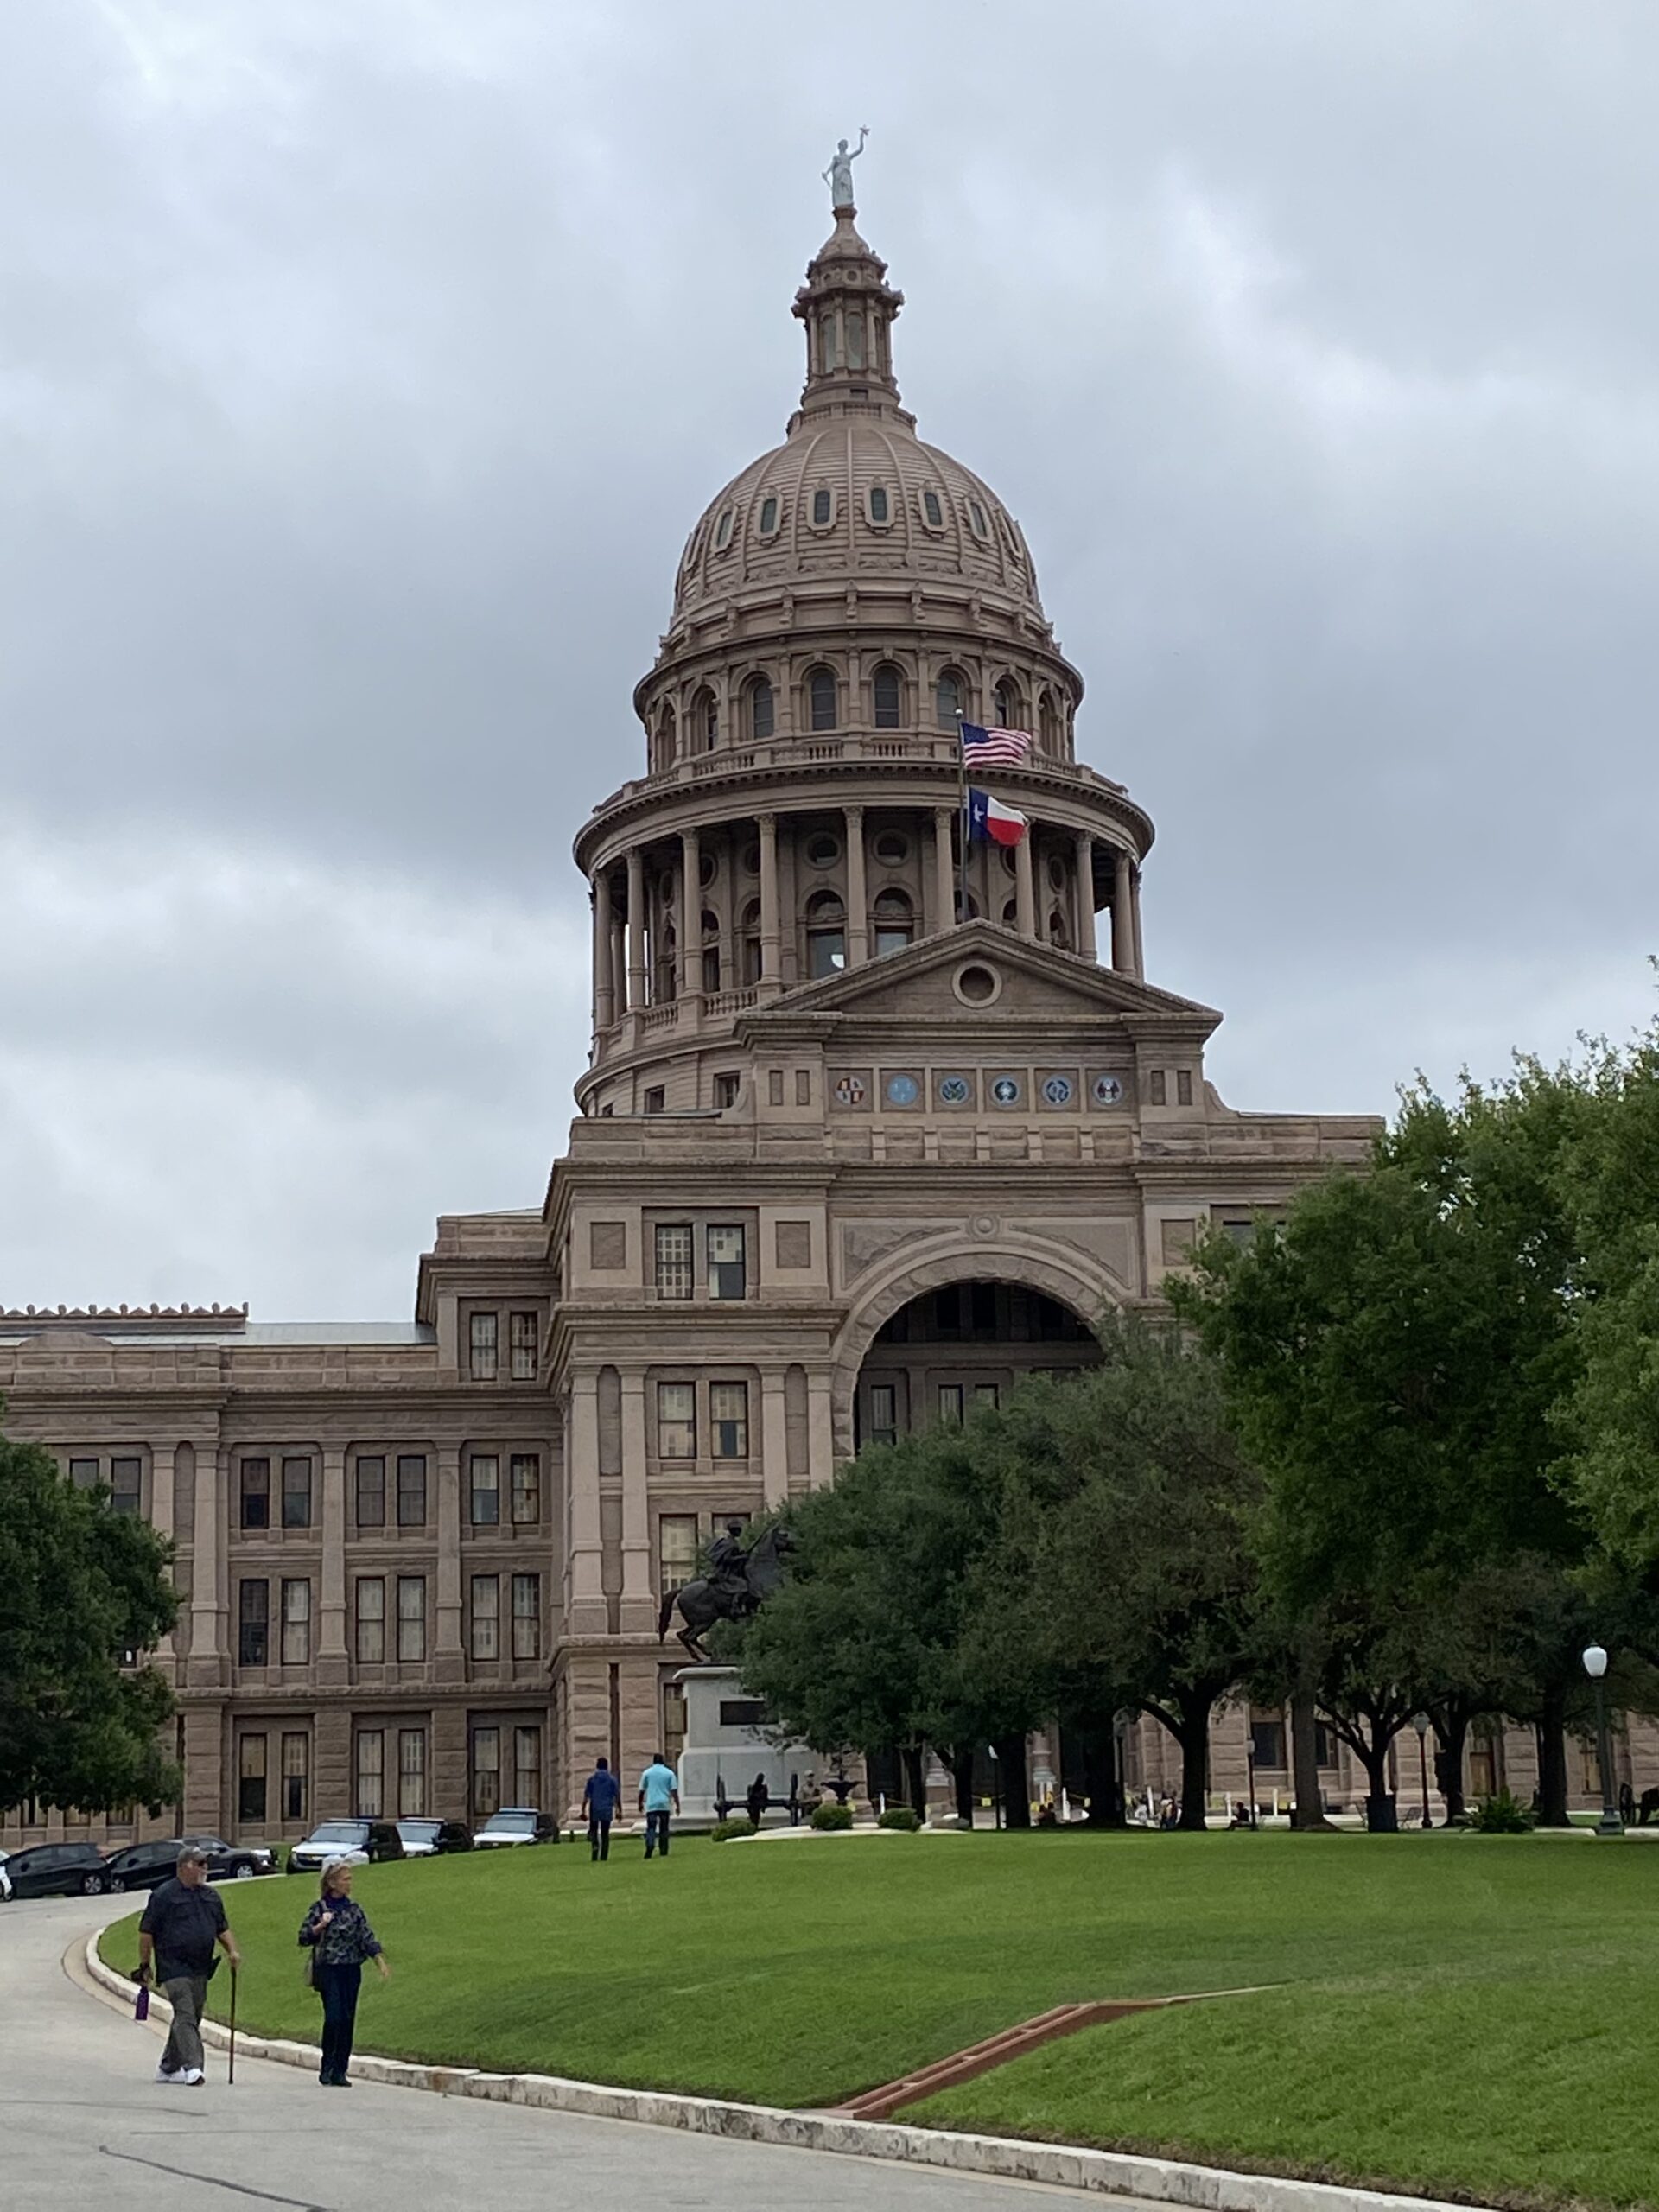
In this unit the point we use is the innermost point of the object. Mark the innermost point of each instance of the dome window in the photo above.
(823, 507)
(769, 516)
(881, 510)
(891, 848)
(822, 850)
(705, 722)
(933, 512)
(711, 950)
(1048, 724)
(823, 711)
(888, 694)
(748, 940)
(761, 710)
(1009, 706)
(854, 339)
(975, 520)
(707, 869)
(826, 935)
(949, 698)
(723, 530)
(894, 925)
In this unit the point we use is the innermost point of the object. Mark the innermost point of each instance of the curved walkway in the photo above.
(84, 2127)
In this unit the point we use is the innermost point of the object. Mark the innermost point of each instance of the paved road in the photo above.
(85, 2128)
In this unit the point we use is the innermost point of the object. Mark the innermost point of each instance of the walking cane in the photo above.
(231, 2078)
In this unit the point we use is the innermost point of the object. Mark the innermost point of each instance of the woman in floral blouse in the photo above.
(337, 1933)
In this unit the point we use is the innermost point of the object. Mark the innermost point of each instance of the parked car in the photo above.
(357, 1842)
(56, 1870)
(433, 1838)
(516, 1824)
(5, 1879)
(144, 1865)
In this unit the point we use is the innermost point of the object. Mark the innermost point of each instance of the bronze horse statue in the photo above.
(732, 1590)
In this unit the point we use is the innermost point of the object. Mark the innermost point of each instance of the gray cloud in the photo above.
(363, 366)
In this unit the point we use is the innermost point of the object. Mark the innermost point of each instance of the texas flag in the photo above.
(990, 823)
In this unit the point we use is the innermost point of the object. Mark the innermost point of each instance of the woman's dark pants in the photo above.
(338, 1987)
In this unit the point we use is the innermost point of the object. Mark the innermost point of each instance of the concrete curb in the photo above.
(1105, 2173)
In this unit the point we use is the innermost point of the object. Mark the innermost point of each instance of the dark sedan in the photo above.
(143, 1865)
(57, 1870)
(433, 1838)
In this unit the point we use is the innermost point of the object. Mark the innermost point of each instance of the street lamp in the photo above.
(1420, 1722)
(1595, 1665)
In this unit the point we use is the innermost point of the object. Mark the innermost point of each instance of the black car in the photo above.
(357, 1842)
(144, 1865)
(433, 1838)
(57, 1870)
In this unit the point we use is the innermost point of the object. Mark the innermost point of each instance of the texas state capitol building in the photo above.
(845, 1164)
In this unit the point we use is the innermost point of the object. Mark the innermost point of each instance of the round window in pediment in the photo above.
(977, 984)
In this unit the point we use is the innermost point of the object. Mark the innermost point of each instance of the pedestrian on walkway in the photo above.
(759, 1798)
(659, 1791)
(184, 1919)
(599, 1800)
(337, 1933)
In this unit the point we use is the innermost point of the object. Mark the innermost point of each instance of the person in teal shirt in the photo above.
(660, 1794)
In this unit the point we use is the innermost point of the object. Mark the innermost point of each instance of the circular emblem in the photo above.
(850, 1091)
(1006, 1091)
(1108, 1090)
(1057, 1091)
(903, 1090)
(953, 1091)
(984, 1225)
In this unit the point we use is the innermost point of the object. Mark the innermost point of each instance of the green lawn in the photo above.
(1464, 2014)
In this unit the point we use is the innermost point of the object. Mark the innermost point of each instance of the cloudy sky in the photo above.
(362, 363)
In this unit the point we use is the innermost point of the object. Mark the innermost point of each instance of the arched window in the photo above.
(889, 696)
(705, 722)
(1058, 935)
(822, 710)
(666, 747)
(723, 530)
(881, 510)
(1008, 705)
(823, 507)
(761, 708)
(748, 944)
(933, 512)
(711, 950)
(826, 935)
(663, 985)
(1010, 913)
(768, 515)
(1048, 724)
(894, 923)
(949, 698)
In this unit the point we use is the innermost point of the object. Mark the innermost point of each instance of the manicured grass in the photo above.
(1464, 2014)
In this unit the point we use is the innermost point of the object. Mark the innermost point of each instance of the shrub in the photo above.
(900, 1817)
(723, 1831)
(833, 1816)
(1501, 1815)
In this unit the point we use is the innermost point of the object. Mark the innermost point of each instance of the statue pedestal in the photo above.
(728, 1744)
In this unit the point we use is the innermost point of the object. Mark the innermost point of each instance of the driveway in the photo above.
(84, 2127)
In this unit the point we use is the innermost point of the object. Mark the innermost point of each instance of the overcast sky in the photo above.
(364, 363)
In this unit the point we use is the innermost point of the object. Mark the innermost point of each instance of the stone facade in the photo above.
(871, 1126)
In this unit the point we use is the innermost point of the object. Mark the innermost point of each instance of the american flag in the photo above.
(993, 748)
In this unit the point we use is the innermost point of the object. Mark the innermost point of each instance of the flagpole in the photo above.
(961, 823)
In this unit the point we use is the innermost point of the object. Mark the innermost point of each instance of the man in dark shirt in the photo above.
(599, 1800)
(183, 1921)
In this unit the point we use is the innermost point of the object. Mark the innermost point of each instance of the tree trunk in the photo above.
(915, 1777)
(1381, 1813)
(1551, 1730)
(1103, 1783)
(1193, 1737)
(961, 1773)
(1450, 1743)
(1307, 1809)
(1011, 1776)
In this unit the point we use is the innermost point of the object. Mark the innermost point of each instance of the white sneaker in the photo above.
(192, 2077)
(169, 2073)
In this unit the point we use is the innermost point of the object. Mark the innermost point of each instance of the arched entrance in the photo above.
(963, 1345)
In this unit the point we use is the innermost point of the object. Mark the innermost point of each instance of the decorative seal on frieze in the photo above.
(984, 1225)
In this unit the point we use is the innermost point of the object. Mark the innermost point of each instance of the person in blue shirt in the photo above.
(659, 1792)
(600, 1799)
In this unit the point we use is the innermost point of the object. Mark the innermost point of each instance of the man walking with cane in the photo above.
(184, 1919)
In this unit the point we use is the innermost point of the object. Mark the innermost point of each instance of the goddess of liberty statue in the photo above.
(839, 174)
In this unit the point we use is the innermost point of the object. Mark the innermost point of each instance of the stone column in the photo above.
(636, 928)
(770, 980)
(1122, 923)
(858, 897)
(208, 1666)
(638, 1611)
(1140, 954)
(944, 879)
(1085, 881)
(604, 956)
(691, 913)
(1025, 890)
(448, 1658)
(333, 1671)
(774, 1442)
(820, 1439)
(588, 1614)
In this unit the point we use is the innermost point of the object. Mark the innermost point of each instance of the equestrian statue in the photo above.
(732, 1589)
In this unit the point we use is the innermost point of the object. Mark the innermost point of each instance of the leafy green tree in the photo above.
(83, 1585)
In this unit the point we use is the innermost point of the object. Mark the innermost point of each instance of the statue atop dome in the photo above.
(839, 174)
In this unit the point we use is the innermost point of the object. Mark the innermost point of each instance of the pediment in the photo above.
(1032, 982)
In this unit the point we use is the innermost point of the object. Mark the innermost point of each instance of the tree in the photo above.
(84, 1585)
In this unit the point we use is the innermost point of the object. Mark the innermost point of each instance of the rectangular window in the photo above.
(884, 1413)
(523, 1334)
(526, 1615)
(481, 1333)
(296, 1493)
(371, 1492)
(411, 1489)
(253, 1623)
(728, 1271)
(726, 1090)
(526, 1471)
(1157, 1088)
(674, 1259)
(1267, 1744)
(677, 1420)
(296, 1778)
(411, 1773)
(296, 1623)
(1325, 1744)
(656, 1099)
(677, 1551)
(412, 1617)
(987, 1394)
(486, 1613)
(1183, 1086)
(126, 1485)
(372, 1618)
(527, 1766)
(486, 1772)
(83, 1473)
(371, 1774)
(484, 1479)
(256, 1493)
(251, 1780)
(728, 1420)
(951, 1401)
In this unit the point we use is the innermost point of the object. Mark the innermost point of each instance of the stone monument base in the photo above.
(727, 1743)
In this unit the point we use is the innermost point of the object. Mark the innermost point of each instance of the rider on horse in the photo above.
(727, 1569)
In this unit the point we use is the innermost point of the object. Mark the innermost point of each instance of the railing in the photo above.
(729, 1001)
(849, 744)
